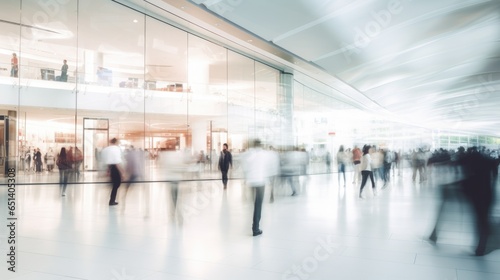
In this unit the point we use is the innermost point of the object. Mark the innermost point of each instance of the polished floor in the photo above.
(325, 232)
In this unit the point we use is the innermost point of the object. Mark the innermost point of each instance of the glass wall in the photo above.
(75, 74)
(241, 102)
(47, 92)
(267, 116)
(111, 75)
(89, 71)
(166, 91)
(9, 83)
(208, 82)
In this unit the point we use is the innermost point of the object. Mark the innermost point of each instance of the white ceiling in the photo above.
(431, 63)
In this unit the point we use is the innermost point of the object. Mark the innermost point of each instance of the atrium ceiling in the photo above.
(433, 64)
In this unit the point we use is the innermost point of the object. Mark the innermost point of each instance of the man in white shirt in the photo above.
(112, 157)
(259, 165)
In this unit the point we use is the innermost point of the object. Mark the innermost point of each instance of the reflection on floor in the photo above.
(326, 232)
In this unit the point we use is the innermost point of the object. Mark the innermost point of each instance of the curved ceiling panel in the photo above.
(431, 63)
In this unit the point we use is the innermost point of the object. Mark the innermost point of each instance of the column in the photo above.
(285, 108)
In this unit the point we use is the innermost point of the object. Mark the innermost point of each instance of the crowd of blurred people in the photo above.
(468, 177)
(67, 162)
(37, 161)
(465, 176)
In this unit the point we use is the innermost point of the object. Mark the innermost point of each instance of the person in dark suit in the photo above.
(225, 162)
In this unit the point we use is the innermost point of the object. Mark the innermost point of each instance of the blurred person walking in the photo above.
(398, 162)
(134, 165)
(259, 166)
(341, 162)
(418, 164)
(50, 160)
(304, 160)
(174, 165)
(77, 161)
(112, 157)
(275, 179)
(388, 157)
(366, 170)
(291, 169)
(71, 158)
(377, 160)
(356, 160)
(202, 159)
(477, 189)
(64, 166)
(328, 160)
(27, 159)
(38, 161)
(225, 163)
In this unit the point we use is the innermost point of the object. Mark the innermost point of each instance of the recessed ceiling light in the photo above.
(250, 40)
(135, 21)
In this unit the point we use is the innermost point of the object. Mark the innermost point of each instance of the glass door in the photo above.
(95, 138)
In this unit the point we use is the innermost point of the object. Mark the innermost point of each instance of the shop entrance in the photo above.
(95, 138)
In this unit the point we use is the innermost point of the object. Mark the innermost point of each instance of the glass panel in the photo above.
(266, 98)
(111, 74)
(95, 124)
(207, 75)
(473, 141)
(47, 60)
(241, 102)
(9, 32)
(167, 89)
(94, 141)
(9, 78)
(299, 115)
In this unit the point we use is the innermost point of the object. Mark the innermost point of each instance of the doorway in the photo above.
(95, 138)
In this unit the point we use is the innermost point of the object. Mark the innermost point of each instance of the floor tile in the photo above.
(325, 232)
